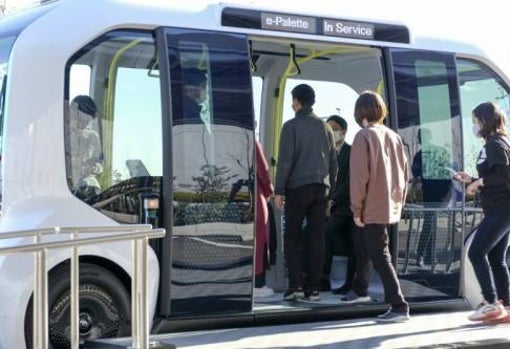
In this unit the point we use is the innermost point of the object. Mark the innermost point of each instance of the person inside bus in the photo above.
(430, 168)
(85, 147)
(489, 247)
(264, 190)
(339, 226)
(378, 185)
(194, 96)
(306, 170)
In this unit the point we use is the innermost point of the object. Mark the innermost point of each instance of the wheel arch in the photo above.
(106, 263)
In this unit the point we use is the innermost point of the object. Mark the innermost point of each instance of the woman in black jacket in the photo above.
(489, 247)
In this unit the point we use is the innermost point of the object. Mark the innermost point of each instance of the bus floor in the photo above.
(412, 287)
(432, 330)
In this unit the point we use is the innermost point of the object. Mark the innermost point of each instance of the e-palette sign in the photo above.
(289, 23)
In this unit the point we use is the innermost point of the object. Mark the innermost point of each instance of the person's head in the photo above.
(82, 110)
(303, 96)
(488, 118)
(195, 84)
(369, 109)
(339, 126)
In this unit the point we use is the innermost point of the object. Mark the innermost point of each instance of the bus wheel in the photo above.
(104, 307)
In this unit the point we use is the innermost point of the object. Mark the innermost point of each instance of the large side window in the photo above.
(428, 121)
(430, 235)
(477, 84)
(113, 123)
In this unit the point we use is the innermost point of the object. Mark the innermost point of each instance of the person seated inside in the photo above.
(85, 147)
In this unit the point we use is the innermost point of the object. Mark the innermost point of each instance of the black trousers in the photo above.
(372, 245)
(339, 227)
(307, 201)
(488, 256)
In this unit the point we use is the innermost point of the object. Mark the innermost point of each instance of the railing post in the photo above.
(135, 311)
(75, 293)
(40, 319)
(36, 299)
(139, 237)
(143, 284)
(139, 291)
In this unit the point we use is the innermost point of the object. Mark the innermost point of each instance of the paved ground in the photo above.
(444, 330)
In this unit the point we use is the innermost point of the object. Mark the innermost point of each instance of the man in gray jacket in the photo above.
(307, 168)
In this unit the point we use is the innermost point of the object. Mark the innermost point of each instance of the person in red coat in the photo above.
(264, 189)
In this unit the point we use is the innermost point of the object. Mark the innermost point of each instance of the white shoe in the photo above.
(262, 292)
(488, 311)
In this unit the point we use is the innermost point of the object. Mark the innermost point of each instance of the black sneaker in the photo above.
(313, 296)
(393, 316)
(292, 295)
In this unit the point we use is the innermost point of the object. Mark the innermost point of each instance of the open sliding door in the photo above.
(209, 172)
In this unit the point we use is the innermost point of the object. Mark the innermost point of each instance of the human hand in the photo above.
(472, 188)
(462, 177)
(358, 222)
(279, 201)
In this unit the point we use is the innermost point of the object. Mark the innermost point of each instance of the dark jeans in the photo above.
(488, 256)
(339, 227)
(372, 245)
(307, 201)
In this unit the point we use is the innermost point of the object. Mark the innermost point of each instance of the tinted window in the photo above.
(477, 84)
(213, 172)
(430, 232)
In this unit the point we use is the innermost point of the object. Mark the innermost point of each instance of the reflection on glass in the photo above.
(212, 143)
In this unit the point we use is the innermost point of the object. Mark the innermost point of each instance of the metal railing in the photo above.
(139, 236)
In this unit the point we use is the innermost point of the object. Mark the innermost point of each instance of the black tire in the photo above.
(105, 306)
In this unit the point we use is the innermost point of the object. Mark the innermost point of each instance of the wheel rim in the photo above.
(99, 316)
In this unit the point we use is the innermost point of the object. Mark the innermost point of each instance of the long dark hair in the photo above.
(492, 119)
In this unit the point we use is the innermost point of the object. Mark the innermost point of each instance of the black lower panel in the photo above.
(212, 305)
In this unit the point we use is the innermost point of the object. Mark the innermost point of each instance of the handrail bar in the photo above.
(68, 230)
(139, 236)
(79, 242)
(416, 208)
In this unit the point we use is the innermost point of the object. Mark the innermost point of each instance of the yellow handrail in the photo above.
(107, 141)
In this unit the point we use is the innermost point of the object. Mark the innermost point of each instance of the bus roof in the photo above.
(90, 18)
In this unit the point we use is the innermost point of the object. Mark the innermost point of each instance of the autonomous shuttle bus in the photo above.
(123, 112)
